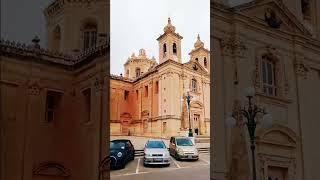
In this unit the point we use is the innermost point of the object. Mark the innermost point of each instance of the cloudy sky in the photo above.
(136, 24)
(21, 20)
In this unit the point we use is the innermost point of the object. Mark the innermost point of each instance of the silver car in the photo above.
(156, 153)
(183, 148)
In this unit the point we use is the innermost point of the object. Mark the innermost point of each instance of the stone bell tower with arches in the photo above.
(169, 44)
(74, 26)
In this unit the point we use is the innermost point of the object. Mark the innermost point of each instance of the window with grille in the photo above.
(138, 72)
(268, 76)
(194, 85)
(89, 36)
(52, 101)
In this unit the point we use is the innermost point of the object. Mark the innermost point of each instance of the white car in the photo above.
(183, 148)
(156, 153)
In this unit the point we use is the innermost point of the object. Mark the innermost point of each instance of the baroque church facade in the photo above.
(150, 98)
(273, 46)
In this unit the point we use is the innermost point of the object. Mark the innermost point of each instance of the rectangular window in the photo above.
(126, 95)
(138, 72)
(268, 77)
(157, 87)
(89, 38)
(194, 85)
(146, 91)
(52, 101)
(87, 98)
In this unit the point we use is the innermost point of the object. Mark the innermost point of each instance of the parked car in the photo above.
(121, 152)
(156, 153)
(183, 148)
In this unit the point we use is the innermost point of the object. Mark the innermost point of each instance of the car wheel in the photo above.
(176, 156)
(123, 165)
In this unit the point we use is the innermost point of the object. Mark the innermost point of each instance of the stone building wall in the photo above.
(240, 40)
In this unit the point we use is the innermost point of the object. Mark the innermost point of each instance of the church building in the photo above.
(149, 99)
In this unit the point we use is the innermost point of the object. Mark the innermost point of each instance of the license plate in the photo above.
(157, 160)
(189, 157)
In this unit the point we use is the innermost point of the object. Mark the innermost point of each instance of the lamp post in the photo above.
(250, 114)
(188, 97)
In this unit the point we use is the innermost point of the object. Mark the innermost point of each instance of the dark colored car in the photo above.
(121, 152)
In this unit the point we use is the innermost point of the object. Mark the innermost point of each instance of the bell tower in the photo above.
(169, 44)
(200, 54)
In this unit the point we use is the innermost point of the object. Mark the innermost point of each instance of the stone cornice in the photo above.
(57, 5)
(16, 49)
(228, 15)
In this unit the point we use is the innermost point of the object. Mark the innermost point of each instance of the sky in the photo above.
(26, 24)
(136, 24)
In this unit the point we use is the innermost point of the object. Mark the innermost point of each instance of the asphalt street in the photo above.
(187, 170)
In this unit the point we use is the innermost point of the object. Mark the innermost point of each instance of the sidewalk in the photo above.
(139, 142)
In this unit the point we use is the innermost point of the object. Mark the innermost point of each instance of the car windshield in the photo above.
(184, 142)
(155, 144)
(117, 145)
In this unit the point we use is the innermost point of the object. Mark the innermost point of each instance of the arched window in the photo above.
(174, 48)
(268, 75)
(164, 48)
(56, 37)
(205, 62)
(138, 72)
(194, 85)
(89, 35)
(197, 59)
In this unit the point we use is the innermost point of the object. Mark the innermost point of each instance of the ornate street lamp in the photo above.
(188, 98)
(250, 114)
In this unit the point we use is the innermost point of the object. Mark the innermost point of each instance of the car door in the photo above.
(131, 149)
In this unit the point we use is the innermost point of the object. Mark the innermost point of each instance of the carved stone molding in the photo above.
(233, 46)
(51, 168)
(34, 88)
(99, 83)
(301, 69)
